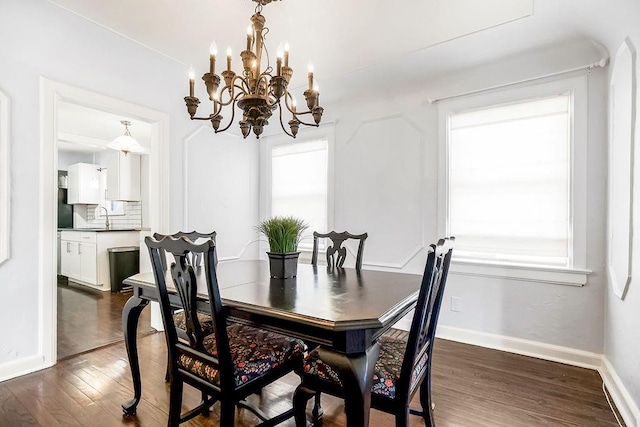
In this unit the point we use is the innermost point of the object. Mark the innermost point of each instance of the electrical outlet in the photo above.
(456, 304)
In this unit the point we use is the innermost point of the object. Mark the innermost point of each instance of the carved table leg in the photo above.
(356, 374)
(130, 315)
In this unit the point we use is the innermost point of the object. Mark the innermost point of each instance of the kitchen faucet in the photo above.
(106, 213)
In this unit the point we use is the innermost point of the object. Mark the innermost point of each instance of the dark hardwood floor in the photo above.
(472, 386)
(89, 319)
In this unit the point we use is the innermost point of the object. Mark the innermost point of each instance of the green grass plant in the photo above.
(283, 233)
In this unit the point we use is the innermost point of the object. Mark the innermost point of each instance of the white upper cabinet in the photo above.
(83, 184)
(123, 177)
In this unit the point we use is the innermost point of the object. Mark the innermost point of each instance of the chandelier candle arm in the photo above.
(256, 91)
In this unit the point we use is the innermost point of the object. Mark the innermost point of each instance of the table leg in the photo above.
(356, 374)
(130, 315)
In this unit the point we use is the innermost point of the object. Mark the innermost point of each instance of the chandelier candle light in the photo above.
(257, 93)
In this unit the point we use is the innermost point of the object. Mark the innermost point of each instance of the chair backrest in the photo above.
(194, 236)
(336, 253)
(419, 348)
(185, 281)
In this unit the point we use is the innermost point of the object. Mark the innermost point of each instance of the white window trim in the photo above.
(575, 274)
(266, 145)
(4, 177)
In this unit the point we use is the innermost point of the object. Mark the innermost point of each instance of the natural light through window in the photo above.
(509, 182)
(299, 183)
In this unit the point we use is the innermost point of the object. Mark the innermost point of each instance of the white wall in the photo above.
(386, 184)
(622, 317)
(41, 39)
(222, 190)
(68, 158)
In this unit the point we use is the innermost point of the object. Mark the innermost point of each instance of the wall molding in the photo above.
(19, 367)
(5, 199)
(418, 249)
(384, 118)
(394, 265)
(619, 394)
(622, 124)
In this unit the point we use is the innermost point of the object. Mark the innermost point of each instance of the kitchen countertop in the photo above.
(99, 229)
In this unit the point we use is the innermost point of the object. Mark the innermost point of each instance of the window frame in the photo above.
(267, 144)
(577, 87)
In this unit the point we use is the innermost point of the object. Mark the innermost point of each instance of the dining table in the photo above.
(341, 310)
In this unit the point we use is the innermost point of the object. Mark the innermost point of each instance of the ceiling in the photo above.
(337, 36)
(376, 48)
(86, 130)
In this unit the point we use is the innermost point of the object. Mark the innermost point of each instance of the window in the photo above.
(299, 183)
(297, 176)
(509, 182)
(514, 186)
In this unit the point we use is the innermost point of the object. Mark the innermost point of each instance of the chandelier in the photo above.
(257, 93)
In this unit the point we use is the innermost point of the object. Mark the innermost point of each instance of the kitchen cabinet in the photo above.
(84, 258)
(123, 177)
(78, 257)
(83, 184)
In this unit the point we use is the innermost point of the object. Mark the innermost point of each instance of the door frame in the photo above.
(157, 213)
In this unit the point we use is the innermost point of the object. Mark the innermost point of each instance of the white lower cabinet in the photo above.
(69, 258)
(84, 255)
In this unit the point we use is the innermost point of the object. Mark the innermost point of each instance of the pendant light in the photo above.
(126, 143)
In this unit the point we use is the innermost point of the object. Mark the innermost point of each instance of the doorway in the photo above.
(55, 97)
(90, 302)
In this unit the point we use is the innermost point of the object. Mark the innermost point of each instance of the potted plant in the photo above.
(284, 234)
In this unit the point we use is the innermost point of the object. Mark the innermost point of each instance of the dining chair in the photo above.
(336, 253)
(227, 365)
(403, 366)
(195, 260)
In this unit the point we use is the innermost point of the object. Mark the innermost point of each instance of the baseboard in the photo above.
(20, 367)
(624, 403)
(536, 349)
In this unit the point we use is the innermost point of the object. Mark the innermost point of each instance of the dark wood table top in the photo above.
(338, 299)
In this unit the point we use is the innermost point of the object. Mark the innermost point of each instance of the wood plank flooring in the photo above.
(89, 318)
(472, 386)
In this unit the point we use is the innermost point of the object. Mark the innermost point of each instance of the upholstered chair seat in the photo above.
(386, 372)
(254, 352)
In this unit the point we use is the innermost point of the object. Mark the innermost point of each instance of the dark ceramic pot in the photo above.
(283, 266)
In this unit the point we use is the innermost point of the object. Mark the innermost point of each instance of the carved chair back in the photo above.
(336, 252)
(194, 236)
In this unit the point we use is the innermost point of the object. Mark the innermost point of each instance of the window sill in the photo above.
(524, 272)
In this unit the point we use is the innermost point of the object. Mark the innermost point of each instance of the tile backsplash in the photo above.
(84, 217)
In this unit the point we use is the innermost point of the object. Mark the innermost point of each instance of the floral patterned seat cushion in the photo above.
(386, 371)
(180, 320)
(254, 352)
